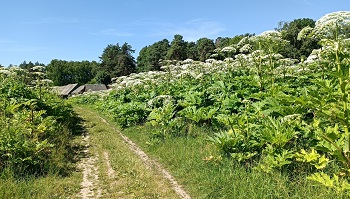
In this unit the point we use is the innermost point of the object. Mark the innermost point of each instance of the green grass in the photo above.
(183, 156)
(132, 178)
(52, 185)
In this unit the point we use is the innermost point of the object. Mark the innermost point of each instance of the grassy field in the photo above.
(106, 165)
(122, 174)
(184, 157)
(48, 186)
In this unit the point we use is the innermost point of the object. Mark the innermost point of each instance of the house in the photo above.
(65, 91)
(95, 87)
(89, 88)
(74, 89)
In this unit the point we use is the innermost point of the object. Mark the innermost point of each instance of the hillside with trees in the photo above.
(249, 116)
(118, 60)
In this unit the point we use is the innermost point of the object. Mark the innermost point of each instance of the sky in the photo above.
(77, 30)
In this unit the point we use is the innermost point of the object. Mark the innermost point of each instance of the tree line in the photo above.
(118, 60)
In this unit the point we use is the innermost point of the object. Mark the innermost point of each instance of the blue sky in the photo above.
(76, 30)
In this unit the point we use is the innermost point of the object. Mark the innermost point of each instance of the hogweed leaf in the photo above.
(322, 178)
(322, 162)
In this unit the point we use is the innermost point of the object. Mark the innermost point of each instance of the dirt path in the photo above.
(150, 163)
(115, 167)
(89, 184)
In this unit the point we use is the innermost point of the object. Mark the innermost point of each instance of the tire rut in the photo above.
(90, 188)
(150, 163)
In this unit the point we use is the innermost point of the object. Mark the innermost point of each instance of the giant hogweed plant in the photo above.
(266, 107)
(263, 55)
(332, 120)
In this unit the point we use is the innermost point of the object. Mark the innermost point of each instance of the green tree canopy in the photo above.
(150, 56)
(118, 60)
(297, 48)
(177, 50)
(68, 72)
(204, 48)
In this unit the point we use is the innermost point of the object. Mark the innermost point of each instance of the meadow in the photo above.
(253, 124)
(257, 110)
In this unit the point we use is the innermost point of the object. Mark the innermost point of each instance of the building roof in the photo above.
(68, 89)
(79, 90)
(94, 87)
(65, 90)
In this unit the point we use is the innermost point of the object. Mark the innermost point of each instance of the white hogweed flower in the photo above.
(188, 61)
(304, 33)
(6, 72)
(228, 49)
(246, 48)
(228, 59)
(270, 33)
(214, 55)
(332, 25)
(243, 41)
(210, 60)
(38, 68)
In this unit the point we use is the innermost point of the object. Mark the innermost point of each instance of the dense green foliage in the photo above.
(298, 48)
(149, 56)
(271, 112)
(63, 72)
(36, 126)
(117, 61)
(204, 174)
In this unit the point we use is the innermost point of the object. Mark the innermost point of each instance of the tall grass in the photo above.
(184, 157)
(31, 187)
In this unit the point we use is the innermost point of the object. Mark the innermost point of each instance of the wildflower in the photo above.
(228, 49)
(38, 68)
(313, 56)
(38, 73)
(214, 55)
(243, 41)
(228, 59)
(6, 72)
(304, 33)
(333, 25)
(188, 61)
(241, 56)
(270, 33)
(47, 81)
(210, 60)
(246, 48)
